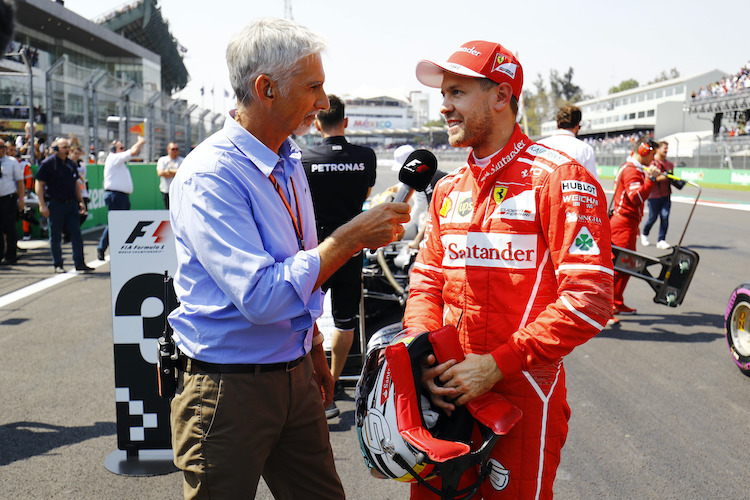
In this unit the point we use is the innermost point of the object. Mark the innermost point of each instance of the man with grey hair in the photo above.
(253, 378)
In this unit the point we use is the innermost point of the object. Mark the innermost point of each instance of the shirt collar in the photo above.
(257, 152)
(562, 131)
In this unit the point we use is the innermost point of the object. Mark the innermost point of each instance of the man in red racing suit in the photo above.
(517, 255)
(633, 184)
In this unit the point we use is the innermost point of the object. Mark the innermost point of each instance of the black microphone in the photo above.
(416, 174)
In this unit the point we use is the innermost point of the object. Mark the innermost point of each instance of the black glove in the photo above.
(678, 183)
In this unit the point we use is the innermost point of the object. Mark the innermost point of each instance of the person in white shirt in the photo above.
(565, 138)
(118, 184)
(11, 201)
(166, 168)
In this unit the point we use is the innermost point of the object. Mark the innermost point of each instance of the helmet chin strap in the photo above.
(450, 472)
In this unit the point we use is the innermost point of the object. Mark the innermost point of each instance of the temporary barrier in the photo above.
(142, 249)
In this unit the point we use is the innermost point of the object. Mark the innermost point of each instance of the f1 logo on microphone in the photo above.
(159, 235)
(419, 164)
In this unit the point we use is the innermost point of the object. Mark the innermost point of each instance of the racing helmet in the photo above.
(402, 435)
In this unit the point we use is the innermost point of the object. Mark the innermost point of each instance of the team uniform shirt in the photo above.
(116, 174)
(662, 189)
(567, 142)
(12, 172)
(162, 165)
(632, 189)
(517, 255)
(340, 175)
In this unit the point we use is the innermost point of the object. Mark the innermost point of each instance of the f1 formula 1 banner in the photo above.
(142, 248)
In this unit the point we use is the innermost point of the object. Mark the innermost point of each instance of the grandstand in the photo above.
(89, 80)
(703, 118)
(142, 23)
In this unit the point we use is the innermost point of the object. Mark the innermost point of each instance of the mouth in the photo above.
(453, 124)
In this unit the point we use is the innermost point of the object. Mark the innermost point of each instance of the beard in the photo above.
(474, 129)
(304, 126)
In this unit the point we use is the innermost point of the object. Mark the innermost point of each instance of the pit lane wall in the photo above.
(146, 194)
(698, 175)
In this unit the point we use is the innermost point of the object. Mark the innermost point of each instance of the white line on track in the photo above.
(39, 286)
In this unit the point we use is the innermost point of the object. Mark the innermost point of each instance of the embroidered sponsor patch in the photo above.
(457, 207)
(584, 243)
(512, 251)
(519, 207)
(578, 186)
(498, 193)
(575, 217)
(446, 208)
(580, 200)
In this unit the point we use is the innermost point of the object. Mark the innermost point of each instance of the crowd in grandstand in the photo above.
(16, 48)
(732, 84)
(608, 144)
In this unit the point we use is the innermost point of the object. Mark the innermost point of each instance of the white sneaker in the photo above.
(644, 240)
(662, 245)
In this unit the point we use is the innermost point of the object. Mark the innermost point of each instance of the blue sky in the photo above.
(374, 46)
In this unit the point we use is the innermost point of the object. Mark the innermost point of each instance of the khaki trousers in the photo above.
(230, 429)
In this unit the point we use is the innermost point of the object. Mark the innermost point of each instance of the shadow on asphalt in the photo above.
(22, 440)
(345, 422)
(672, 328)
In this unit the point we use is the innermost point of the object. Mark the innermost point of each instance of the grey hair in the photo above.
(272, 47)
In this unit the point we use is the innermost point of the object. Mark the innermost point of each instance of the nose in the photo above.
(322, 101)
(446, 106)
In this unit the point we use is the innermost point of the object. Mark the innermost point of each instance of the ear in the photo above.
(502, 96)
(264, 90)
(317, 125)
(346, 122)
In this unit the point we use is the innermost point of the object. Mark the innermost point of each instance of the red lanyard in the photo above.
(297, 223)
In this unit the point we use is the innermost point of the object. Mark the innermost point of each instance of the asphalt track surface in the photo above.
(659, 408)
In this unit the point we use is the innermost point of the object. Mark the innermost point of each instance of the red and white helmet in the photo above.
(402, 435)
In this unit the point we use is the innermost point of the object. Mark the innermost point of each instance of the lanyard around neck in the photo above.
(296, 222)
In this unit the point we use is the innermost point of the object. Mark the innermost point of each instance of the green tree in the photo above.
(537, 106)
(563, 88)
(624, 85)
(666, 75)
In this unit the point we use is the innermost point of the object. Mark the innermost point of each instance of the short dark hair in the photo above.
(334, 115)
(568, 117)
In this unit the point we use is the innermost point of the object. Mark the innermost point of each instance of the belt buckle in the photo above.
(291, 365)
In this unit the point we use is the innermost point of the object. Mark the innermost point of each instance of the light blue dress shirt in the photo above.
(245, 288)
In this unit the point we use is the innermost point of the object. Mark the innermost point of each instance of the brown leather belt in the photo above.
(191, 365)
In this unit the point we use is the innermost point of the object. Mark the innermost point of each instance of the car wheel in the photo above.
(737, 323)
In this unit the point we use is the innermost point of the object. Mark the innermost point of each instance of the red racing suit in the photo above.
(632, 189)
(519, 252)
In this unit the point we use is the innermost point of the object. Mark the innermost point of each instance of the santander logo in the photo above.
(386, 387)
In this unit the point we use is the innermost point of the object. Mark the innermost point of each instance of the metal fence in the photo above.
(98, 108)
